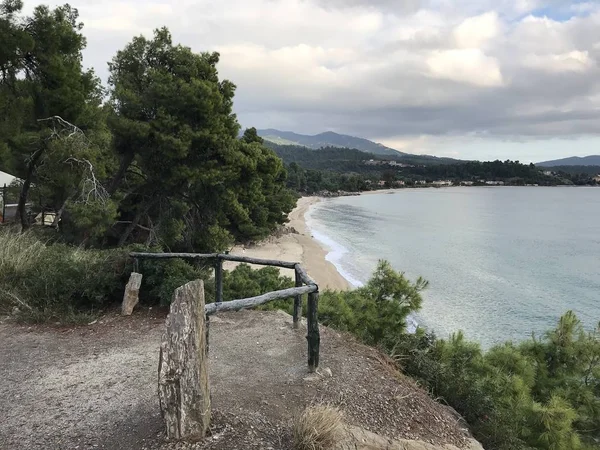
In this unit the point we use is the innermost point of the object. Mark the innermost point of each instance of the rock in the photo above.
(311, 378)
(183, 386)
(132, 292)
(356, 438)
(325, 372)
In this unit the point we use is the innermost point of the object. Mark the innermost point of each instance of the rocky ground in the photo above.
(95, 386)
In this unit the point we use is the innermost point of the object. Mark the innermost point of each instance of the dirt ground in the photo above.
(95, 386)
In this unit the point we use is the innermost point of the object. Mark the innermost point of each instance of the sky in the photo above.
(470, 79)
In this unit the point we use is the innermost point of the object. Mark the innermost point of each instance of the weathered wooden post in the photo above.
(4, 191)
(183, 386)
(219, 280)
(313, 336)
(297, 302)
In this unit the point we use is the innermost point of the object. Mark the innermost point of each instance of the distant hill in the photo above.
(593, 160)
(345, 159)
(327, 139)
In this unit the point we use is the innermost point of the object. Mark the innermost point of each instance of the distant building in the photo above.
(466, 183)
(597, 178)
(494, 183)
(548, 173)
(377, 162)
(442, 183)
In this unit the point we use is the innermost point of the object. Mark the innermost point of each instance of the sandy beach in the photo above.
(300, 248)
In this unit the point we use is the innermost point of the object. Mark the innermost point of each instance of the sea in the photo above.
(502, 262)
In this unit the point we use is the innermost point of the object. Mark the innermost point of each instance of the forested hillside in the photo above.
(332, 168)
(592, 160)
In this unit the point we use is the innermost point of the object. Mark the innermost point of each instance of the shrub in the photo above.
(162, 277)
(49, 281)
(243, 282)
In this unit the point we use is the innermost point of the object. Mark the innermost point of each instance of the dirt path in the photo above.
(95, 386)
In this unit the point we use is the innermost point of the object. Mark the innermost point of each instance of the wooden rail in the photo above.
(304, 285)
(236, 305)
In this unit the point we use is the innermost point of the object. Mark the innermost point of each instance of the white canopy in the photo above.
(6, 178)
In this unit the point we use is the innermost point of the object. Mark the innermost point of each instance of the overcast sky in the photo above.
(480, 79)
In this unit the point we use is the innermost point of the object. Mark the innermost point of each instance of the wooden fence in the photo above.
(304, 285)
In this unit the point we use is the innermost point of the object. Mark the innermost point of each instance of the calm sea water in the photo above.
(501, 262)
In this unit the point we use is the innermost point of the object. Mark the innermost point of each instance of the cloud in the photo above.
(465, 65)
(412, 72)
(475, 32)
(573, 61)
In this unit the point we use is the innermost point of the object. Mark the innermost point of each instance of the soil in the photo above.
(95, 386)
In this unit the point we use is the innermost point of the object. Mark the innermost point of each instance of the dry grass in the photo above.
(18, 250)
(317, 428)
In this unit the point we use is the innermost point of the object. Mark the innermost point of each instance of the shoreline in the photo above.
(299, 247)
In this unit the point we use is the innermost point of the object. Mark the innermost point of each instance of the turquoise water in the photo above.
(501, 262)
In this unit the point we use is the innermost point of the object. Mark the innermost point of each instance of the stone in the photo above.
(132, 294)
(357, 438)
(325, 372)
(183, 384)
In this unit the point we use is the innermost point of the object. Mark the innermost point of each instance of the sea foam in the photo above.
(336, 253)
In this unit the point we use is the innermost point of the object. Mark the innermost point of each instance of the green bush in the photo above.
(162, 277)
(540, 394)
(244, 282)
(57, 281)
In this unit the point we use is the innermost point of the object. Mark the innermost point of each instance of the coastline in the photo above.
(297, 247)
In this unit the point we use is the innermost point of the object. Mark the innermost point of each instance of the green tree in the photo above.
(184, 176)
(49, 102)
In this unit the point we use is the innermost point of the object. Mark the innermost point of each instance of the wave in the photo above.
(335, 255)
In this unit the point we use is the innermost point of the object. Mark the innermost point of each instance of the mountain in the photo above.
(592, 160)
(327, 139)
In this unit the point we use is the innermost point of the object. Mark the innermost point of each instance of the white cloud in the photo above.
(465, 65)
(475, 32)
(574, 61)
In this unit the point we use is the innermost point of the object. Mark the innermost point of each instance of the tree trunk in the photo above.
(27, 184)
(123, 166)
(60, 212)
(133, 224)
(183, 387)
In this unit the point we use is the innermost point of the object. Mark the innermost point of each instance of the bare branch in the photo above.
(91, 188)
(63, 129)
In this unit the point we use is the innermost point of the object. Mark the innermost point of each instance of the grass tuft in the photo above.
(317, 428)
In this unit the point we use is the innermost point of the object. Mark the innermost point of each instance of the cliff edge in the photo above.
(95, 386)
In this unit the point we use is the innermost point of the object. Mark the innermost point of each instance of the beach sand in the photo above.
(300, 248)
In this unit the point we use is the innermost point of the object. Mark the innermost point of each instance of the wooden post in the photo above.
(4, 203)
(313, 336)
(297, 303)
(219, 280)
(183, 386)
(207, 324)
